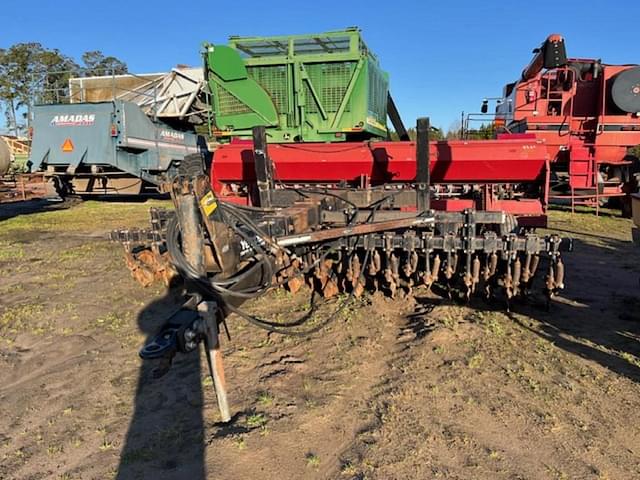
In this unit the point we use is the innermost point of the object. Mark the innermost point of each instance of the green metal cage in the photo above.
(311, 88)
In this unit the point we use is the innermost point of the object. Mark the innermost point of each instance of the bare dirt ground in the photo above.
(393, 389)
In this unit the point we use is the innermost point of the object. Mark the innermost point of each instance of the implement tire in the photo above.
(191, 166)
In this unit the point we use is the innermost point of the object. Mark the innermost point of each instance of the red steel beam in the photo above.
(481, 161)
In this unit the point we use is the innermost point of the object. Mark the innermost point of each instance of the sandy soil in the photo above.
(393, 389)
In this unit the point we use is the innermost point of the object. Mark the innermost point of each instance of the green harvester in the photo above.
(325, 87)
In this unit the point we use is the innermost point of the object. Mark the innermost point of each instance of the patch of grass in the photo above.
(111, 322)
(10, 251)
(313, 461)
(543, 347)
(143, 454)
(494, 455)
(310, 403)
(207, 381)
(265, 399)
(533, 384)
(20, 453)
(20, 317)
(609, 223)
(281, 293)
(449, 320)
(81, 252)
(54, 449)
(350, 310)
(264, 342)
(83, 217)
(256, 420)
(106, 445)
(76, 442)
(632, 359)
(15, 288)
(476, 360)
(240, 443)
(493, 326)
(348, 469)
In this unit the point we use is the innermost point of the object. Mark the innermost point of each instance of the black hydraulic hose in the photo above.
(282, 330)
(211, 287)
(228, 208)
(218, 287)
(187, 270)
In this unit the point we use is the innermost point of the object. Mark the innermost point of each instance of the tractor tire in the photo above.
(191, 166)
(56, 187)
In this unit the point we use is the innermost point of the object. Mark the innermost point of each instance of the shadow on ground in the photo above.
(600, 321)
(165, 439)
(40, 205)
(596, 317)
(13, 209)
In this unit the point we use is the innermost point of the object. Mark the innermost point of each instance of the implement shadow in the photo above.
(17, 208)
(13, 209)
(597, 316)
(165, 439)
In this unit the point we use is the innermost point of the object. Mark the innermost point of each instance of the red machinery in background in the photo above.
(587, 112)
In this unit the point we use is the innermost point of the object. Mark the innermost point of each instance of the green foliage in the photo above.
(96, 64)
(31, 73)
(486, 131)
(435, 134)
(22, 68)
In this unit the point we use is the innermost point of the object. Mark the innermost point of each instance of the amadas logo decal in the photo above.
(78, 120)
(172, 136)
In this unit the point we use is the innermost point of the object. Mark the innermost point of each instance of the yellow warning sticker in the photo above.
(67, 146)
(208, 204)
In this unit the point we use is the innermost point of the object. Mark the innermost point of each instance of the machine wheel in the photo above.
(631, 183)
(634, 168)
(55, 186)
(191, 166)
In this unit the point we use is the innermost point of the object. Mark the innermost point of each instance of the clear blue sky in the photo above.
(442, 57)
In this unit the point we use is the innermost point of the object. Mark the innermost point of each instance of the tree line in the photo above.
(485, 131)
(30, 73)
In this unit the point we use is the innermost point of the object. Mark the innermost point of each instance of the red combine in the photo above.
(588, 114)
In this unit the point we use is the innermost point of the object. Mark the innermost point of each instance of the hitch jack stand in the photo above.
(193, 243)
(209, 313)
